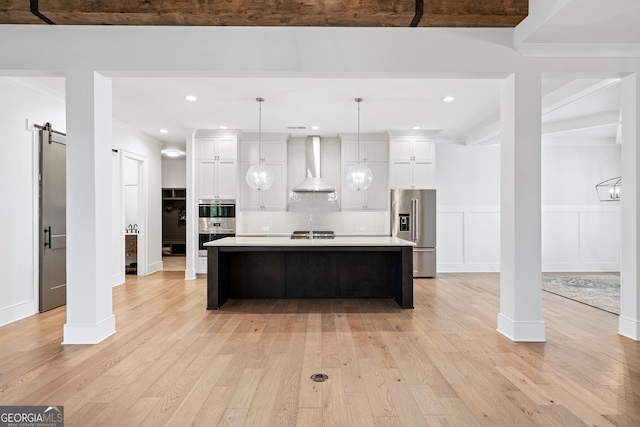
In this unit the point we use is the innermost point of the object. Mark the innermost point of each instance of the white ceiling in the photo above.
(150, 104)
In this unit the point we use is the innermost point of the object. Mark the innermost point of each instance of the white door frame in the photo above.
(142, 209)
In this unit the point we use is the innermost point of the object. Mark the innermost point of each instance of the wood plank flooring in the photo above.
(173, 363)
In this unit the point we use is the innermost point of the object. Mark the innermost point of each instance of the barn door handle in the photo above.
(48, 236)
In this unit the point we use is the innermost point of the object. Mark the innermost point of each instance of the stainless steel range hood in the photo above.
(313, 183)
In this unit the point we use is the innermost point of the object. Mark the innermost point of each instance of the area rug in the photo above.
(598, 290)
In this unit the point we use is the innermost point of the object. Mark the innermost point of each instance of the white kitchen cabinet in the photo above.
(216, 167)
(376, 197)
(274, 155)
(412, 162)
(372, 151)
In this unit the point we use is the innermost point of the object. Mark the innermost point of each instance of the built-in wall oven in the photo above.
(216, 220)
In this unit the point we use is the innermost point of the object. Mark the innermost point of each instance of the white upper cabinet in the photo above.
(274, 155)
(412, 161)
(216, 166)
(373, 151)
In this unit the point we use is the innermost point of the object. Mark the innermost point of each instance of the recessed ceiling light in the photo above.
(415, 127)
(448, 98)
(164, 131)
(315, 127)
(223, 127)
(190, 98)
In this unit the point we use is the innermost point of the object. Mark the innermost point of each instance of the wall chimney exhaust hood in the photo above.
(313, 183)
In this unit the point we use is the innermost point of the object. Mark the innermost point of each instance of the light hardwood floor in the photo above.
(174, 363)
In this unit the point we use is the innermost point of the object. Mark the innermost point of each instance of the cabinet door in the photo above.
(350, 151)
(274, 151)
(401, 149)
(249, 151)
(226, 179)
(400, 174)
(377, 151)
(207, 182)
(423, 149)
(423, 175)
(377, 197)
(275, 198)
(351, 199)
(227, 149)
(250, 199)
(206, 148)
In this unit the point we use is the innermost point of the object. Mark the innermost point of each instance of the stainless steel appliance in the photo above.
(216, 220)
(413, 217)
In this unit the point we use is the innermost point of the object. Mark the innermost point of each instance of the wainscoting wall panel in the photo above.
(574, 238)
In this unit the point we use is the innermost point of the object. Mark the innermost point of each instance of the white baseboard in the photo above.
(89, 333)
(190, 274)
(117, 280)
(156, 266)
(16, 312)
(629, 328)
(519, 331)
(468, 268)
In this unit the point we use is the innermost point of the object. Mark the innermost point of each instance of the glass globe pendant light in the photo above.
(260, 176)
(359, 177)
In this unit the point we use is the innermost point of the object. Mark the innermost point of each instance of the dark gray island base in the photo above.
(253, 268)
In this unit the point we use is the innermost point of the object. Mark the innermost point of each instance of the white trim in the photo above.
(17, 311)
(143, 268)
(38, 87)
(89, 333)
(520, 331)
(156, 266)
(629, 328)
(580, 50)
(117, 279)
(35, 193)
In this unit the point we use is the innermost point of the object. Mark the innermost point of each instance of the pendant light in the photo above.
(359, 177)
(260, 176)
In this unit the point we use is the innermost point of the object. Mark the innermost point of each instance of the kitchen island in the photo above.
(280, 267)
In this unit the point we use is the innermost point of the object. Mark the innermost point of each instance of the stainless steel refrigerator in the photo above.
(413, 217)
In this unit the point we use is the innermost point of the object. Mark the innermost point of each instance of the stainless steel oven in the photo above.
(216, 220)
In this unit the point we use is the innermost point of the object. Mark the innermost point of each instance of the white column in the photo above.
(90, 316)
(520, 317)
(629, 323)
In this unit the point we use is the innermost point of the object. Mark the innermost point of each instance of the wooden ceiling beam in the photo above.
(322, 13)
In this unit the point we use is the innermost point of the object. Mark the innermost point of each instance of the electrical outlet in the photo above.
(265, 228)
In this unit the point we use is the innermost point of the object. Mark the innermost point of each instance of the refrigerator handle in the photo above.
(414, 219)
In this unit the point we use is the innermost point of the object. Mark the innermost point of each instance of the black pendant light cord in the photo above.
(36, 12)
(418, 16)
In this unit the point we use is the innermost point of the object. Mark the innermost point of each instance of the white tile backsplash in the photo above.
(283, 223)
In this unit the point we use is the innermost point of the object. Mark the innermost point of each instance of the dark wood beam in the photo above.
(322, 13)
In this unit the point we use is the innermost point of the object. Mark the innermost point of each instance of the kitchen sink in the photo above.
(316, 234)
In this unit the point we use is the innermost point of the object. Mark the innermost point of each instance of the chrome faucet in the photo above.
(310, 227)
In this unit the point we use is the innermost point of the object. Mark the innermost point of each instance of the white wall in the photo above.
(24, 100)
(18, 222)
(579, 233)
(130, 142)
(174, 173)
(468, 213)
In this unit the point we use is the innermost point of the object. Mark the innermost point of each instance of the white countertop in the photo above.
(286, 241)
